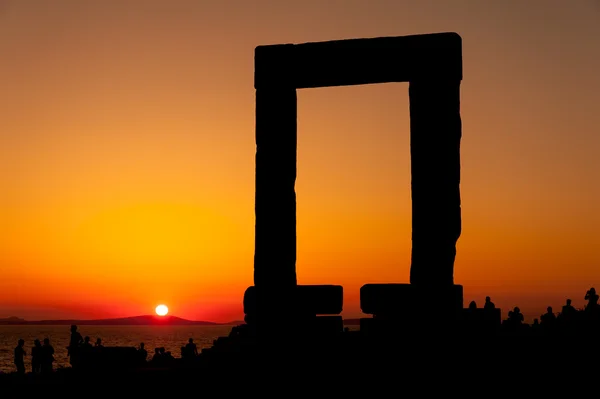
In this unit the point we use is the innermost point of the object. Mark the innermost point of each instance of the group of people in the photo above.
(79, 345)
(42, 356)
(81, 351)
(163, 357)
(569, 315)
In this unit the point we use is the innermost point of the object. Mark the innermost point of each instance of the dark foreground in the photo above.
(486, 364)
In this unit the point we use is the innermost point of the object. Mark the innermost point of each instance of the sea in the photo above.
(172, 338)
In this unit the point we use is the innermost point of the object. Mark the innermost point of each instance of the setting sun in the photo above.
(162, 310)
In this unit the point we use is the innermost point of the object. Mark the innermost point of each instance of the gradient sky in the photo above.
(127, 153)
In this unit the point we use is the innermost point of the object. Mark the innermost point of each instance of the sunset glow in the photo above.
(127, 154)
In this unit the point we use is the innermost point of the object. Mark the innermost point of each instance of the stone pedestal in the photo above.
(410, 303)
(294, 310)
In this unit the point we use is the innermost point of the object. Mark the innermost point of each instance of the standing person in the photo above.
(488, 305)
(47, 356)
(36, 356)
(143, 353)
(74, 343)
(191, 348)
(20, 357)
(592, 299)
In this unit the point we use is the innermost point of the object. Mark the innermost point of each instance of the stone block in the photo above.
(359, 61)
(309, 300)
(399, 300)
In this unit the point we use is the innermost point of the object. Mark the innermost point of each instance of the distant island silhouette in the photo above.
(144, 320)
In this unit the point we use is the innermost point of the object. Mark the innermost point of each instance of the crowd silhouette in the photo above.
(569, 319)
(42, 357)
(84, 355)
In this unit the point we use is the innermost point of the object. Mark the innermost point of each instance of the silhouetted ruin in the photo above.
(432, 64)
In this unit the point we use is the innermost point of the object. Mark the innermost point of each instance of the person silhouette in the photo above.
(191, 348)
(488, 305)
(99, 343)
(592, 298)
(73, 350)
(548, 318)
(19, 358)
(143, 353)
(568, 311)
(86, 352)
(472, 305)
(47, 357)
(156, 358)
(516, 317)
(163, 354)
(36, 355)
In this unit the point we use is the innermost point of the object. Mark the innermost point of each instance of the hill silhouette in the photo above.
(144, 320)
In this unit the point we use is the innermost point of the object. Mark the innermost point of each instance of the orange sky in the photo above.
(127, 153)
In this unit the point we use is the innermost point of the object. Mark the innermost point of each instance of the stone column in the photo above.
(275, 202)
(435, 134)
